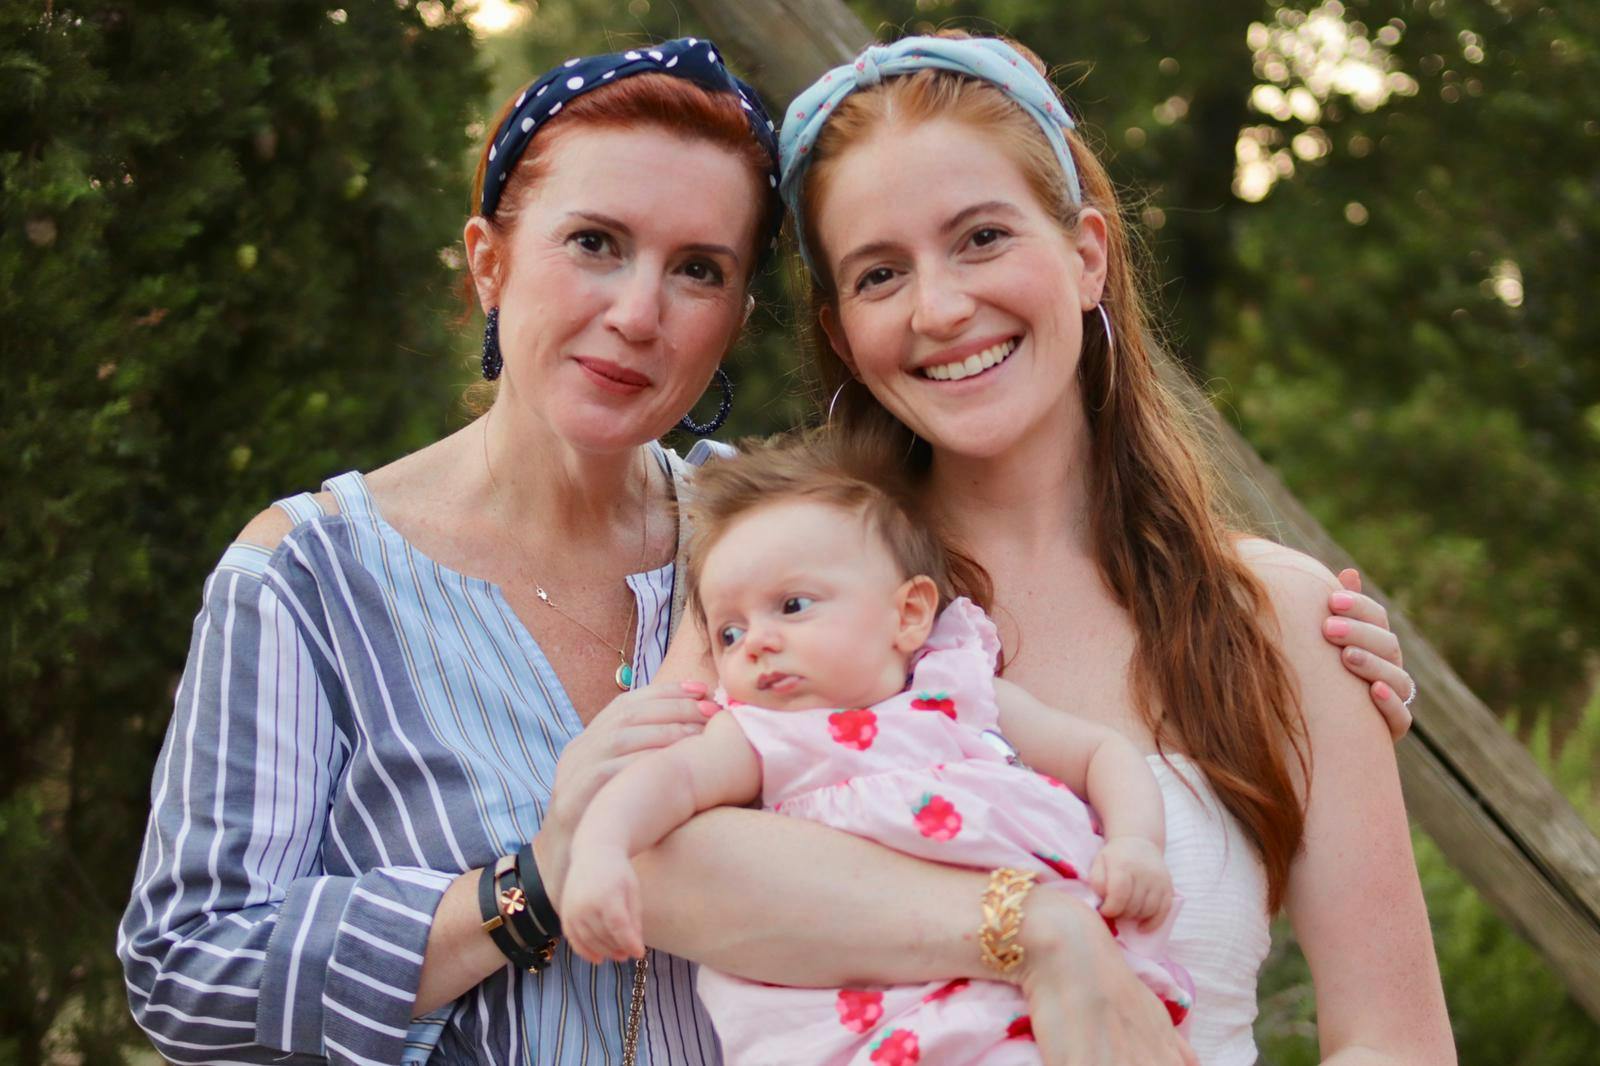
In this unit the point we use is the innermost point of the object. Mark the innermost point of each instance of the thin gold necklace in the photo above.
(624, 674)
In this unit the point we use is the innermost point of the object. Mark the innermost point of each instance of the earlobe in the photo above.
(828, 318)
(1090, 237)
(482, 261)
(918, 599)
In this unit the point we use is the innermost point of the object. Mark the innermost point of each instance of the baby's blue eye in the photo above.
(730, 635)
(796, 604)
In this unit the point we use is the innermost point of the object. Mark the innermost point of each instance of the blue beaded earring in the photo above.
(705, 429)
(492, 363)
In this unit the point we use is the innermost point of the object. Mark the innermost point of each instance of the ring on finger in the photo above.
(1409, 700)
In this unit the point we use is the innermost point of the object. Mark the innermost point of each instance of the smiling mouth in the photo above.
(974, 364)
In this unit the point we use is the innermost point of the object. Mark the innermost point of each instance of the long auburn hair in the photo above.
(1206, 673)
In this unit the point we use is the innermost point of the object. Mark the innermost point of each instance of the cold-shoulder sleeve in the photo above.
(237, 946)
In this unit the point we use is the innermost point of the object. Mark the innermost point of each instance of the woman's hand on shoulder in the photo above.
(1359, 625)
(1345, 617)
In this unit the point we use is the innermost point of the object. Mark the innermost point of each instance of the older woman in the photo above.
(396, 685)
(401, 679)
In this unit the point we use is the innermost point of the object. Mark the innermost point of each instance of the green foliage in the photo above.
(220, 280)
(1412, 335)
(1506, 1007)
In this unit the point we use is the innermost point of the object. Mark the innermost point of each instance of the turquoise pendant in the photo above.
(625, 677)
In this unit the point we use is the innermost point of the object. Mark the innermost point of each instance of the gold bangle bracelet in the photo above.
(1002, 919)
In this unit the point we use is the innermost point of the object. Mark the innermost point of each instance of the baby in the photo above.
(854, 700)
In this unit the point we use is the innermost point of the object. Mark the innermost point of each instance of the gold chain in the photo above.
(630, 1034)
(624, 673)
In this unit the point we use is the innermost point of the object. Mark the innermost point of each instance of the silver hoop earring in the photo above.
(1111, 352)
(835, 400)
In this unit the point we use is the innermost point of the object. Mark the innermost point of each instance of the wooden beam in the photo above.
(783, 45)
(1468, 782)
(1470, 785)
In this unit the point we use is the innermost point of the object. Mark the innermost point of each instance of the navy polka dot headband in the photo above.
(692, 58)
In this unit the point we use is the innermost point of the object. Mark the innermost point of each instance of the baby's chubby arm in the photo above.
(1098, 763)
(600, 905)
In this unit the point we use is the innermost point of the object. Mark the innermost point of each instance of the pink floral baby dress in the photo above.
(914, 773)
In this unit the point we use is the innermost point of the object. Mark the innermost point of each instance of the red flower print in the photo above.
(1058, 864)
(1021, 1028)
(1111, 924)
(1052, 782)
(935, 701)
(854, 729)
(1175, 1010)
(899, 1048)
(859, 1009)
(946, 991)
(937, 818)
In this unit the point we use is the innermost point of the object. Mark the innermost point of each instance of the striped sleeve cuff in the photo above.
(344, 964)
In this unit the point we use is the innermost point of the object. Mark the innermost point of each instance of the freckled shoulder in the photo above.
(267, 529)
(1298, 587)
(1285, 572)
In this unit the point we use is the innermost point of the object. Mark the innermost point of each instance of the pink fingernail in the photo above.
(1342, 601)
(1337, 627)
(708, 707)
(693, 688)
(1383, 691)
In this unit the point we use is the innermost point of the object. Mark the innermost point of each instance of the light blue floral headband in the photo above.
(983, 58)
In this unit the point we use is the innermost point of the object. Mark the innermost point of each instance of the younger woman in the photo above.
(984, 320)
(855, 701)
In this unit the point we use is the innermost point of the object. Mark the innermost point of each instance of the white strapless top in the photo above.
(1221, 935)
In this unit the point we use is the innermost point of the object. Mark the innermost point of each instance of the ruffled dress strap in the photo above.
(954, 672)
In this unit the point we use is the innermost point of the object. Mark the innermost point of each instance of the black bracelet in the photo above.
(494, 923)
(532, 885)
(514, 905)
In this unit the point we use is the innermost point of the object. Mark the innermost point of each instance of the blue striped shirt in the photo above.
(356, 725)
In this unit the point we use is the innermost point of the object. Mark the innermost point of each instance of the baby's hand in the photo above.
(600, 906)
(1131, 876)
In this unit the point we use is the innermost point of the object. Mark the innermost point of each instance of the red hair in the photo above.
(644, 101)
